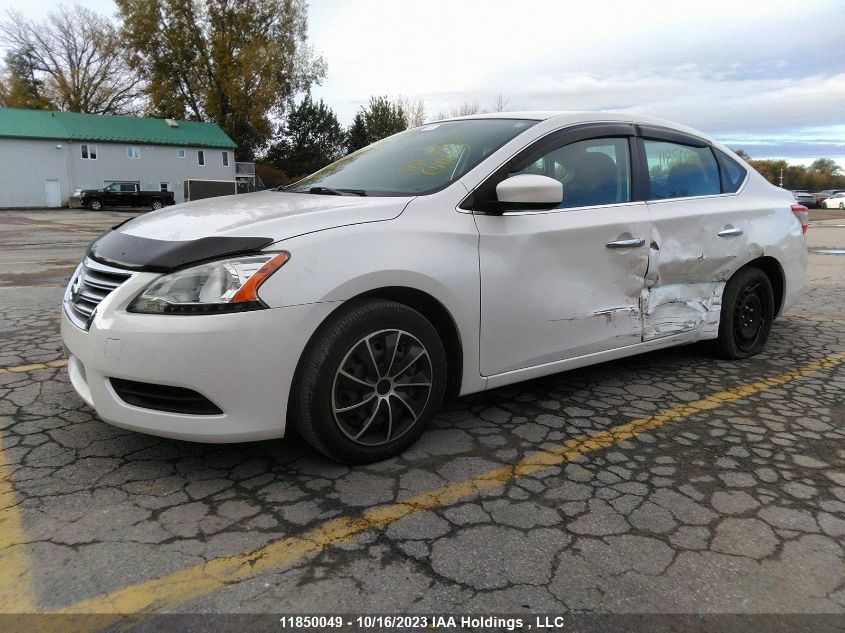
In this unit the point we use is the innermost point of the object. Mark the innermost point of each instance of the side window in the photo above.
(180, 153)
(88, 152)
(595, 171)
(732, 173)
(225, 159)
(133, 151)
(680, 171)
(200, 157)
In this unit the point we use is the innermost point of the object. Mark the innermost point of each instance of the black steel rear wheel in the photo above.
(747, 313)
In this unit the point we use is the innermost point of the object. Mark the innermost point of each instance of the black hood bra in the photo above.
(161, 256)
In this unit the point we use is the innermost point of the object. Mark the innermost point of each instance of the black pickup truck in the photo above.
(120, 194)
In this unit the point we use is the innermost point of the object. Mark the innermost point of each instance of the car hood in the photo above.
(271, 214)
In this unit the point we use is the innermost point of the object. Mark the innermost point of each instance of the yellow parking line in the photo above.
(173, 589)
(17, 594)
(33, 366)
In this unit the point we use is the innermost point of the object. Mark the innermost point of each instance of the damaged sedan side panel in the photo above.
(697, 244)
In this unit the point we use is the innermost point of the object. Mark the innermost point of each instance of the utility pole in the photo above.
(780, 184)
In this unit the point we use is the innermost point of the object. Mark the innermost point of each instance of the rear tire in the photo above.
(156, 205)
(369, 383)
(747, 314)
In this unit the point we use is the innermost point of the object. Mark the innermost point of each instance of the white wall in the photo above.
(26, 165)
(158, 163)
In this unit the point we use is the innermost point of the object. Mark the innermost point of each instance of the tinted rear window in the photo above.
(680, 171)
(732, 172)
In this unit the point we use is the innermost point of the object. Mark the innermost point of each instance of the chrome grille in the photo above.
(92, 283)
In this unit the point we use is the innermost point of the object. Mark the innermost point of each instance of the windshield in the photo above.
(418, 161)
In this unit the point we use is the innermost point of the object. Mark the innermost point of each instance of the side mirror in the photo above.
(531, 190)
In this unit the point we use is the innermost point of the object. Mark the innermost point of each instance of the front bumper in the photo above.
(244, 363)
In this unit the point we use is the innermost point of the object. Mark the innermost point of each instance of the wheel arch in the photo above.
(427, 305)
(774, 271)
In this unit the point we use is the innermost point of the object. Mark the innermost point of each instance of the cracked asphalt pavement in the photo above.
(733, 507)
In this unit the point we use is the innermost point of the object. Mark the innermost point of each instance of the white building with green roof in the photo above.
(45, 156)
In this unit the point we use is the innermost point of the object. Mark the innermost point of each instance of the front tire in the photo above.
(95, 205)
(748, 308)
(369, 383)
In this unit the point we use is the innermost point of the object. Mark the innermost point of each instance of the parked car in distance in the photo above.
(454, 257)
(821, 196)
(836, 201)
(802, 196)
(120, 194)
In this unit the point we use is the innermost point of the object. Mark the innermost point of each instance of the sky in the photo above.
(766, 76)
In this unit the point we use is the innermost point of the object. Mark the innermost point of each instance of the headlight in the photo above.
(228, 285)
(77, 192)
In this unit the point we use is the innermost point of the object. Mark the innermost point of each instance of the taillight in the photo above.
(802, 214)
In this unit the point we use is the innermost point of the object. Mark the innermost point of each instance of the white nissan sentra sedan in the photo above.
(451, 258)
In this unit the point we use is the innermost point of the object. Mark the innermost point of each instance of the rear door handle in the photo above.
(632, 243)
(729, 232)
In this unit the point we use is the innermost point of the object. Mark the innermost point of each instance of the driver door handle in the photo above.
(729, 233)
(632, 243)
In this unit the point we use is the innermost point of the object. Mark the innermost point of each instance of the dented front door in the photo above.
(694, 249)
(560, 284)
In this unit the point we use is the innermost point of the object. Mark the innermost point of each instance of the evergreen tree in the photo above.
(311, 138)
(20, 87)
(356, 135)
(383, 118)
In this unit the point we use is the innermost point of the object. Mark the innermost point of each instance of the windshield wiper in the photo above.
(336, 192)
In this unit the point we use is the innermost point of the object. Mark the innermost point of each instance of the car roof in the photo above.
(567, 117)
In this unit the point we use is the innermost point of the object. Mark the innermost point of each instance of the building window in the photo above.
(225, 159)
(133, 151)
(89, 152)
(180, 153)
(200, 157)
(164, 186)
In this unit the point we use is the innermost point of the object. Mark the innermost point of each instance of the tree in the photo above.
(826, 167)
(500, 103)
(742, 154)
(311, 138)
(356, 134)
(237, 63)
(465, 109)
(383, 118)
(69, 61)
(20, 87)
(414, 111)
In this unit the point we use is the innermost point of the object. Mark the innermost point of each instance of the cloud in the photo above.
(759, 68)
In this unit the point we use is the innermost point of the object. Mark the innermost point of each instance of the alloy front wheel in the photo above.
(369, 382)
(381, 387)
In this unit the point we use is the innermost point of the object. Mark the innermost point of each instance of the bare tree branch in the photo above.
(77, 55)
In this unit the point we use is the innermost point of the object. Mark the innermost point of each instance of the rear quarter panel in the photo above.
(689, 264)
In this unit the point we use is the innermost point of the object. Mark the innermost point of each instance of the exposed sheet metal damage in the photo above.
(683, 287)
